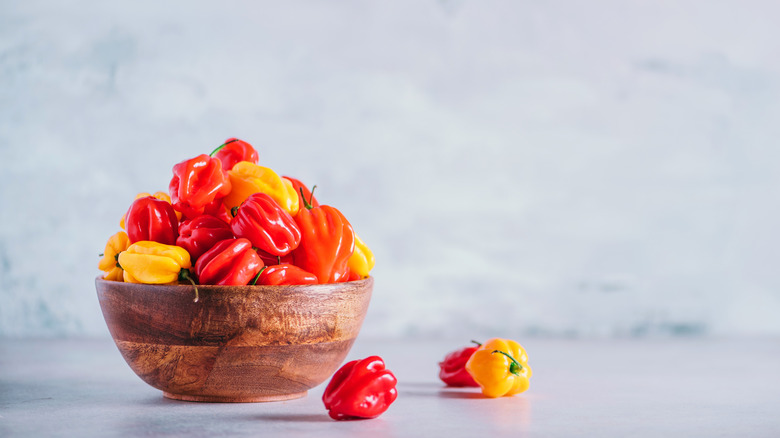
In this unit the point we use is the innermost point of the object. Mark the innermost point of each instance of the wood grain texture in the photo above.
(237, 343)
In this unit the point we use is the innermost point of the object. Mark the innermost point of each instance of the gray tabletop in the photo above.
(681, 387)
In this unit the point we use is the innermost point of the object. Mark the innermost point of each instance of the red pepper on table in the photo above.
(200, 234)
(285, 273)
(360, 389)
(196, 183)
(303, 193)
(267, 225)
(229, 262)
(453, 367)
(327, 243)
(149, 218)
(233, 151)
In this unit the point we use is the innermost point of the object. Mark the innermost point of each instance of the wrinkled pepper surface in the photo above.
(152, 219)
(361, 262)
(230, 262)
(154, 263)
(267, 225)
(285, 273)
(327, 243)
(248, 178)
(500, 367)
(233, 151)
(360, 389)
(110, 261)
(201, 234)
(196, 183)
(452, 370)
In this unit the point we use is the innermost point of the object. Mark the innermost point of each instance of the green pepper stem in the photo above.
(219, 148)
(254, 282)
(479, 344)
(234, 211)
(184, 274)
(306, 203)
(515, 367)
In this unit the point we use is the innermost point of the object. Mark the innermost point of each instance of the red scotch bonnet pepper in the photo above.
(201, 234)
(285, 273)
(267, 225)
(233, 151)
(230, 262)
(198, 183)
(149, 218)
(360, 389)
(452, 370)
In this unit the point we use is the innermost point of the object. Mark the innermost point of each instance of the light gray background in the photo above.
(602, 168)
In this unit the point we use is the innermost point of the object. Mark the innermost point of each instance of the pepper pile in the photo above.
(226, 220)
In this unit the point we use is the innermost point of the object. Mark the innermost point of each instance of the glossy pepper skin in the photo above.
(110, 261)
(196, 183)
(361, 262)
(360, 389)
(154, 263)
(452, 370)
(233, 151)
(500, 367)
(327, 243)
(201, 234)
(248, 178)
(307, 195)
(267, 225)
(230, 262)
(152, 219)
(270, 259)
(162, 196)
(285, 274)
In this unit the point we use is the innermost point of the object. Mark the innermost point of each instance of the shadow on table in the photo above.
(435, 389)
(294, 418)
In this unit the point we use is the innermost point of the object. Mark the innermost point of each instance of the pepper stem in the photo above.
(306, 203)
(479, 344)
(184, 274)
(234, 211)
(219, 148)
(254, 282)
(515, 366)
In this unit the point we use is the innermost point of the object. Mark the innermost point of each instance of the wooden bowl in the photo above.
(237, 343)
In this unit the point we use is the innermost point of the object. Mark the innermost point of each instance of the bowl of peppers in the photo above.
(235, 285)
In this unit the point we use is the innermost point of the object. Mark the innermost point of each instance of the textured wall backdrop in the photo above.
(566, 168)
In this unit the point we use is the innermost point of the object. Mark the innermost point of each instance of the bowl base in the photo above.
(219, 399)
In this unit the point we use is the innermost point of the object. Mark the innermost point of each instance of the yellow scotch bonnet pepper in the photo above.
(500, 367)
(361, 262)
(248, 178)
(153, 262)
(110, 261)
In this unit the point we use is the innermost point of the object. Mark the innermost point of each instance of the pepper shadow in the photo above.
(294, 418)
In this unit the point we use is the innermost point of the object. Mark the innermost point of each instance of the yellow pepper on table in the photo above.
(248, 178)
(500, 367)
(110, 261)
(361, 262)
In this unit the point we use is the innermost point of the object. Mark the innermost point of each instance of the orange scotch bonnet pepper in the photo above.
(248, 178)
(500, 367)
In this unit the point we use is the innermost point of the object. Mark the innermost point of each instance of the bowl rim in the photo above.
(100, 279)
